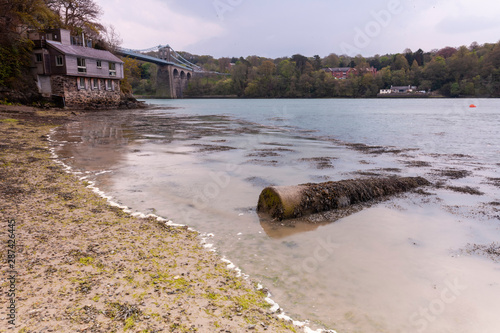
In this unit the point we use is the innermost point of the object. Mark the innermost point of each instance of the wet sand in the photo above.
(372, 271)
(85, 266)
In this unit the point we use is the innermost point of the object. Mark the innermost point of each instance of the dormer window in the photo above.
(59, 60)
(112, 69)
(82, 67)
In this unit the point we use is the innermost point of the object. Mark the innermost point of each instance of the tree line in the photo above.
(450, 72)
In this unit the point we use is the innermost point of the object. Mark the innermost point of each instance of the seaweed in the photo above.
(296, 201)
(454, 173)
(465, 189)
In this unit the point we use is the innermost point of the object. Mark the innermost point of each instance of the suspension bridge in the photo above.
(174, 71)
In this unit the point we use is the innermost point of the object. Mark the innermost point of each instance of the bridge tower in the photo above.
(165, 53)
(171, 81)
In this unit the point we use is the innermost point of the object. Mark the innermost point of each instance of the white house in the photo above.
(76, 75)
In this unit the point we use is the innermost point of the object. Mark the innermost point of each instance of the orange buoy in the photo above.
(472, 106)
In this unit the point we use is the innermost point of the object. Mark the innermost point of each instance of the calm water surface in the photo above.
(399, 266)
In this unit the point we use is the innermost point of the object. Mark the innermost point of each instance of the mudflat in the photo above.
(82, 265)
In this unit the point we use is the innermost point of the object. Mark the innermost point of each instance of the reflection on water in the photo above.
(280, 230)
(383, 269)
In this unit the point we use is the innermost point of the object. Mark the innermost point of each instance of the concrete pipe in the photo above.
(284, 202)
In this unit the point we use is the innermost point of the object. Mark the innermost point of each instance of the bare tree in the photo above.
(78, 15)
(110, 39)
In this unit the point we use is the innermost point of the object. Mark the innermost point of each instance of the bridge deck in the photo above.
(143, 57)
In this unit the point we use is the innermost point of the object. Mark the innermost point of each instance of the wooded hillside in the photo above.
(452, 72)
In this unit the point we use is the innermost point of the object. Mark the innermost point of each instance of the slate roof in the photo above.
(340, 69)
(403, 87)
(84, 52)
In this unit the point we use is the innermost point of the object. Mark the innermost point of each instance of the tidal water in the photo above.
(418, 262)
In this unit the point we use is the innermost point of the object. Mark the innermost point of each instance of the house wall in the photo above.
(92, 70)
(41, 67)
(65, 37)
(44, 85)
(54, 68)
(88, 97)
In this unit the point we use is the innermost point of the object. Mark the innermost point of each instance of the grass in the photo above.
(12, 121)
(250, 300)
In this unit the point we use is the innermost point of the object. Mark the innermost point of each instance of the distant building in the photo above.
(342, 73)
(70, 70)
(403, 89)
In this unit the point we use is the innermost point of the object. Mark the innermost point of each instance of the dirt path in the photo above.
(84, 266)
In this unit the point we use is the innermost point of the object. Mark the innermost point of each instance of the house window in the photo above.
(82, 67)
(110, 85)
(39, 57)
(112, 69)
(81, 83)
(59, 60)
(99, 64)
(95, 84)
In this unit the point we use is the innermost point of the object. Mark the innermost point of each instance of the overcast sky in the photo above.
(277, 28)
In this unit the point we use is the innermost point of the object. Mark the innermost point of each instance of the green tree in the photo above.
(224, 65)
(375, 62)
(252, 90)
(385, 75)
(463, 64)
(330, 61)
(239, 76)
(436, 72)
(400, 62)
(224, 87)
(415, 74)
(455, 89)
(267, 68)
(131, 71)
(400, 78)
(16, 17)
(305, 86)
(419, 57)
(316, 62)
(300, 62)
(287, 69)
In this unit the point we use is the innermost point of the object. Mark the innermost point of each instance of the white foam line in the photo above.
(103, 172)
(276, 308)
(203, 238)
(235, 268)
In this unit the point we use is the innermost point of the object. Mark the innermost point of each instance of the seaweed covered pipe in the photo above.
(284, 202)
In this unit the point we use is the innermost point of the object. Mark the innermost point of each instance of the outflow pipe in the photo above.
(284, 202)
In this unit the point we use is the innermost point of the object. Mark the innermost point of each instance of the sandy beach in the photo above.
(82, 265)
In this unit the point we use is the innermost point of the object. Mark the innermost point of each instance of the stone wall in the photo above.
(163, 83)
(171, 82)
(87, 97)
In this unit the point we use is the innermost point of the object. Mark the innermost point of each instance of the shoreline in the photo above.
(87, 266)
